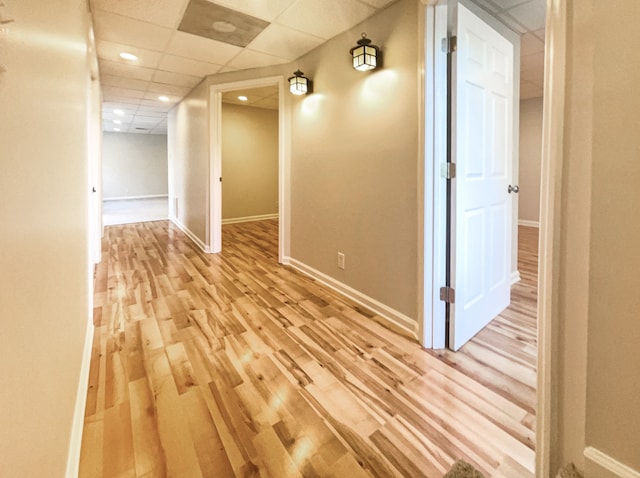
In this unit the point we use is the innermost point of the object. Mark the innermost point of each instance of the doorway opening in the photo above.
(517, 325)
(233, 117)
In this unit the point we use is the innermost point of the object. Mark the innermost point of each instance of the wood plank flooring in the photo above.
(231, 365)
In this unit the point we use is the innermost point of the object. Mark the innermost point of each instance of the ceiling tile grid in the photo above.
(179, 42)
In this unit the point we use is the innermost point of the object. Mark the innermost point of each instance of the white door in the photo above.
(482, 148)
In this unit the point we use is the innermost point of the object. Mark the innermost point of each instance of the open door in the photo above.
(481, 146)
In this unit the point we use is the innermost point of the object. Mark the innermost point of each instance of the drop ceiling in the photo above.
(179, 42)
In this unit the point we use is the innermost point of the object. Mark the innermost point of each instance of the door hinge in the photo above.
(448, 294)
(449, 44)
(448, 170)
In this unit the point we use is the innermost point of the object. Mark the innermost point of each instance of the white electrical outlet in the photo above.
(341, 260)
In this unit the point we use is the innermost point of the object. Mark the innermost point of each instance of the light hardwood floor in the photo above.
(230, 365)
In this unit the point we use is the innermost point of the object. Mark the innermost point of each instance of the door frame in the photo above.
(433, 221)
(550, 217)
(214, 213)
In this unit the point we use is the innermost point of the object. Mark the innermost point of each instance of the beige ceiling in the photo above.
(171, 61)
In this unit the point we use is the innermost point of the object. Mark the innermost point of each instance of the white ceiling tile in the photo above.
(111, 51)
(117, 122)
(488, 6)
(163, 108)
(122, 82)
(203, 49)
(284, 42)
(166, 13)
(505, 4)
(122, 100)
(268, 103)
(264, 9)
(122, 92)
(254, 59)
(529, 43)
(512, 23)
(177, 64)
(127, 31)
(163, 89)
(148, 120)
(108, 115)
(170, 78)
(531, 14)
(109, 107)
(227, 68)
(311, 16)
(377, 3)
(125, 70)
(155, 104)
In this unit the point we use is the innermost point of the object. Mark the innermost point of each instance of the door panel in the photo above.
(482, 148)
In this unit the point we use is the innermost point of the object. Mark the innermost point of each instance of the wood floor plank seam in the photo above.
(231, 365)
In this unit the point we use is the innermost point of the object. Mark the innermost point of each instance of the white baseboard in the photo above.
(525, 222)
(75, 443)
(129, 198)
(191, 235)
(515, 277)
(235, 220)
(603, 464)
(392, 318)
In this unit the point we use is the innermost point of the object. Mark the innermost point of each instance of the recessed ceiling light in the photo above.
(224, 27)
(117, 121)
(119, 112)
(163, 98)
(116, 129)
(128, 56)
(243, 98)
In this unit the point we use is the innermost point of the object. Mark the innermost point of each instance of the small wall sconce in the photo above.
(300, 84)
(365, 55)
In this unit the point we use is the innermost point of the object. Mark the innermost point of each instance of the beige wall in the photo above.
(596, 353)
(44, 211)
(530, 160)
(354, 169)
(354, 159)
(613, 366)
(134, 165)
(188, 161)
(249, 162)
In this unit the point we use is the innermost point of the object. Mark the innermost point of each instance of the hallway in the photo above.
(232, 365)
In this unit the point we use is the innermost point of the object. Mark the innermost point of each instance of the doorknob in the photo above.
(514, 189)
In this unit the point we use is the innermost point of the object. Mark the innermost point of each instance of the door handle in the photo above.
(513, 189)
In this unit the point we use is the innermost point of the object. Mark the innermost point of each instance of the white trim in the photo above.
(515, 277)
(214, 212)
(527, 223)
(433, 188)
(550, 226)
(263, 217)
(191, 235)
(610, 464)
(391, 317)
(75, 442)
(128, 198)
(424, 181)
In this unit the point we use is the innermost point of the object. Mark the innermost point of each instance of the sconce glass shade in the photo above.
(298, 84)
(365, 55)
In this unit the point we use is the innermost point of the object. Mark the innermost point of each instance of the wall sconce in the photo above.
(300, 84)
(365, 55)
